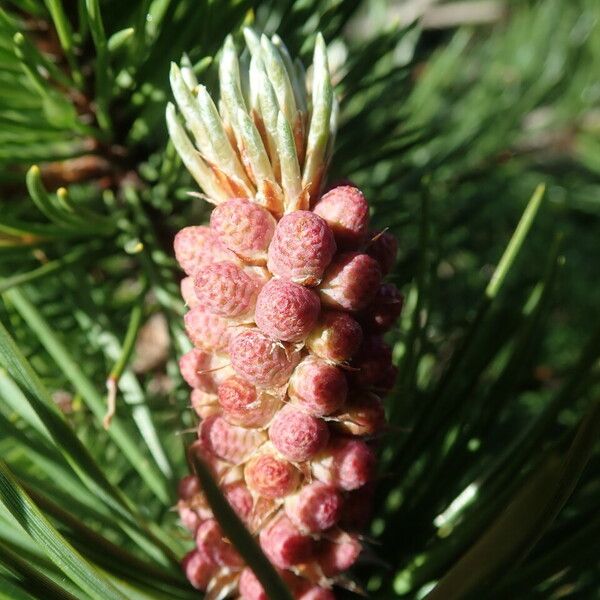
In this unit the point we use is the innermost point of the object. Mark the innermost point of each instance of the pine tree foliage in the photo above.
(489, 483)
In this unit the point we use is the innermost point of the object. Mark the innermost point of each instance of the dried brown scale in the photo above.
(286, 305)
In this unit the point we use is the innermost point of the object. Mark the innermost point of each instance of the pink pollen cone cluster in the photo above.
(286, 316)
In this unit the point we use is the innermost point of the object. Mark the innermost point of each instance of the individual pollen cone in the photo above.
(373, 367)
(199, 569)
(203, 403)
(339, 554)
(229, 442)
(243, 404)
(240, 498)
(207, 331)
(271, 476)
(244, 228)
(297, 435)
(384, 310)
(210, 542)
(346, 211)
(351, 282)
(347, 464)
(383, 248)
(198, 245)
(202, 370)
(261, 360)
(251, 589)
(363, 415)
(302, 248)
(336, 338)
(316, 507)
(187, 292)
(284, 544)
(317, 387)
(225, 289)
(286, 309)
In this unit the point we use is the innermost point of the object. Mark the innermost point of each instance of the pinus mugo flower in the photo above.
(287, 306)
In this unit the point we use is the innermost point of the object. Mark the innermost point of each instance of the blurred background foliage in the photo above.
(452, 114)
